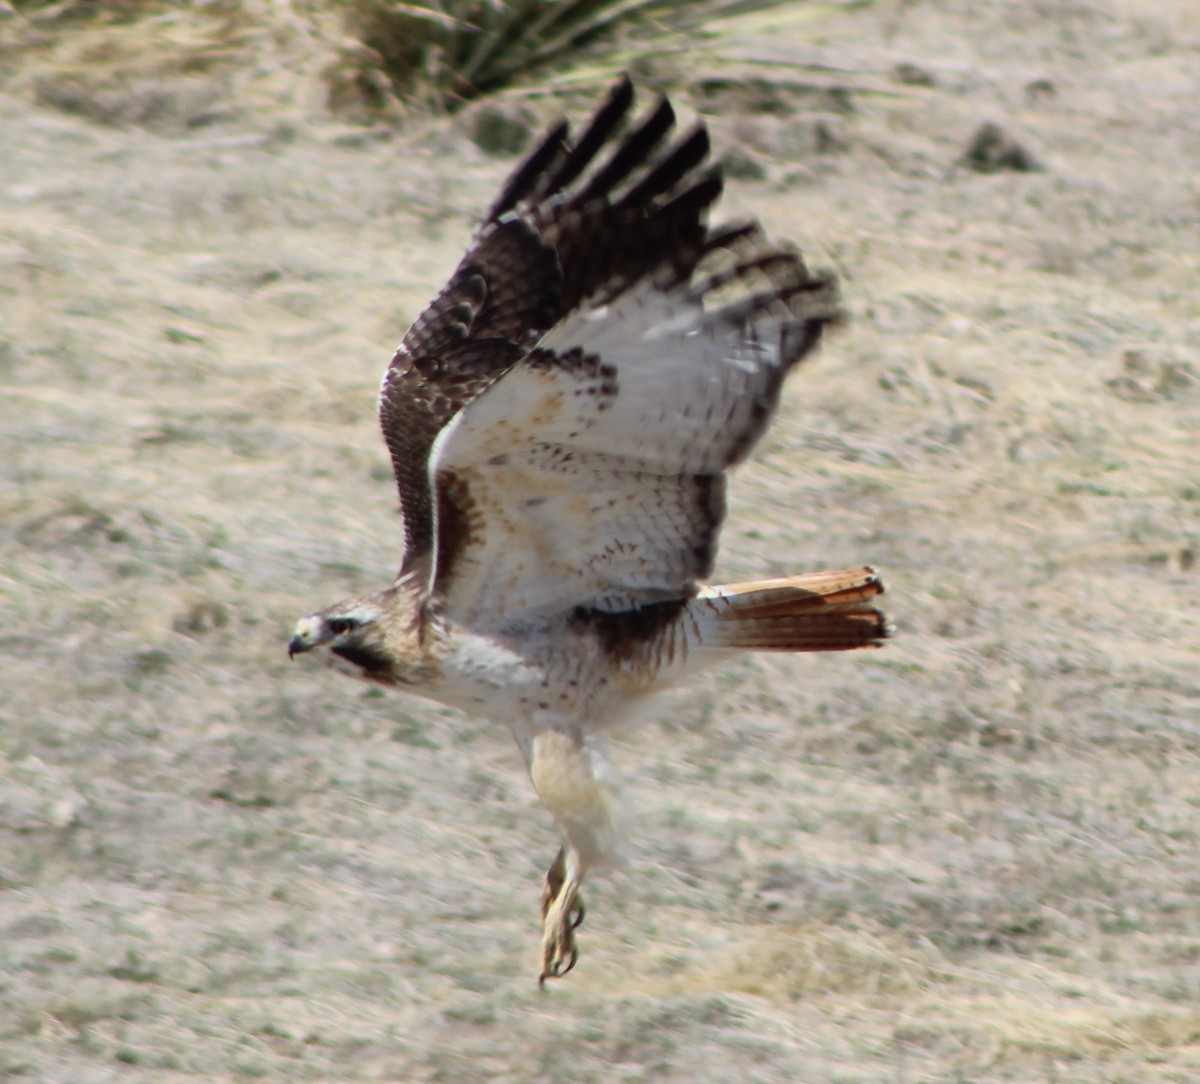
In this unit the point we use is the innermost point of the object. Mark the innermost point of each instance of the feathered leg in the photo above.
(575, 783)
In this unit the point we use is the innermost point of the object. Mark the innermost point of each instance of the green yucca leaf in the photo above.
(455, 50)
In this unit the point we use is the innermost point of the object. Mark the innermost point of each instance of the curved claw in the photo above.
(556, 970)
(562, 915)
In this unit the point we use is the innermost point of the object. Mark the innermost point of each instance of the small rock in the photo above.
(992, 149)
(1145, 379)
(499, 132)
(201, 616)
(1040, 90)
(743, 166)
(913, 75)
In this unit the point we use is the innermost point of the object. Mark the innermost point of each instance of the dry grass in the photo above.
(184, 66)
(968, 857)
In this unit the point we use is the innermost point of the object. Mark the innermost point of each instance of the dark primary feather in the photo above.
(631, 153)
(683, 159)
(531, 172)
(599, 130)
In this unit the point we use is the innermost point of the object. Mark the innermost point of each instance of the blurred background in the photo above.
(968, 857)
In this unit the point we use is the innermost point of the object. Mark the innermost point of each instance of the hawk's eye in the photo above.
(339, 626)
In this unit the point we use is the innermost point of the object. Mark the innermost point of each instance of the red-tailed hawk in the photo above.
(560, 420)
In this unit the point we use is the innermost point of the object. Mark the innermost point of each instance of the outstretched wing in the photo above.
(548, 243)
(592, 473)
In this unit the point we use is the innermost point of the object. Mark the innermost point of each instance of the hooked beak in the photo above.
(306, 635)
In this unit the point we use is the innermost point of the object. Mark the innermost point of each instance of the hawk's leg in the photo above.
(562, 915)
(556, 875)
(577, 786)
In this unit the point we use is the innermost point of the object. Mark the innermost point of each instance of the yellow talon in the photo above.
(562, 915)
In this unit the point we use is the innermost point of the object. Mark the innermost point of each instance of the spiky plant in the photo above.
(446, 52)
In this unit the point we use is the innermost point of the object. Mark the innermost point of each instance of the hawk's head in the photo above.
(376, 634)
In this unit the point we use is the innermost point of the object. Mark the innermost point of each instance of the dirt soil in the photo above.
(971, 856)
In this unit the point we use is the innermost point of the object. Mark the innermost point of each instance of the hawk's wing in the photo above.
(591, 474)
(561, 416)
(553, 238)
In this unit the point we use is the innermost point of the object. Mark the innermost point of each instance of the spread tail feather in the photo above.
(815, 611)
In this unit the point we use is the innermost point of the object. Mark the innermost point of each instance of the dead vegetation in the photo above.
(167, 65)
(968, 857)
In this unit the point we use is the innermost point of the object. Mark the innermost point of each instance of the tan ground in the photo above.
(969, 857)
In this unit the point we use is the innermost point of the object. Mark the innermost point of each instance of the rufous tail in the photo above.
(815, 611)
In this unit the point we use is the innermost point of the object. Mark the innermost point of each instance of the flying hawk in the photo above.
(560, 421)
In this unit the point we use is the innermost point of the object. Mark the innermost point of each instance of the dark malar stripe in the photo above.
(368, 659)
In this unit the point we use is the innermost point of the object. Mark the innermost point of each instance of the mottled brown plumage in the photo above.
(561, 420)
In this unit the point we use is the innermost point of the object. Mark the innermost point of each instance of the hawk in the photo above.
(560, 421)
